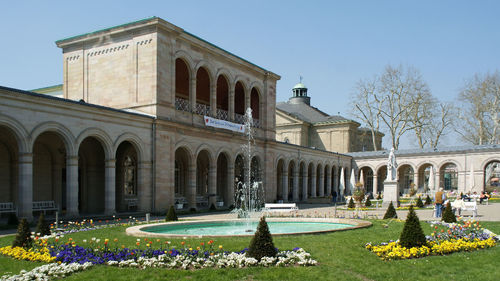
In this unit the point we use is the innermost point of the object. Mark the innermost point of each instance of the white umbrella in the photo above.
(341, 182)
(471, 178)
(352, 182)
(431, 179)
(361, 178)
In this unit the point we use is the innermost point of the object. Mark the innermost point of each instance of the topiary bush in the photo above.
(420, 204)
(12, 220)
(412, 234)
(391, 212)
(428, 200)
(212, 207)
(448, 215)
(262, 242)
(351, 204)
(42, 228)
(23, 235)
(368, 203)
(171, 215)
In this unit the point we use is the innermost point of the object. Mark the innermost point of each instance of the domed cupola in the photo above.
(300, 94)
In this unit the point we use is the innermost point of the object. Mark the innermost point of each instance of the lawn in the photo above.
(341, 256)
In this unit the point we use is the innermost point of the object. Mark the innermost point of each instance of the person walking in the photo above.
(438, 200)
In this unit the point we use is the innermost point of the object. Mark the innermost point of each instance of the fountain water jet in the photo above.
(248, 195)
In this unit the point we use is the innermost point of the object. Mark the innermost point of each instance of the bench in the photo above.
(201, 200)
(280, 207)
(131, 203)
(44, 206)
(7, 207)
(471, 206)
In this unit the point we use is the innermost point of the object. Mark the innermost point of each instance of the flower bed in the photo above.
(446, 239)
(48, 271)
(33, 254)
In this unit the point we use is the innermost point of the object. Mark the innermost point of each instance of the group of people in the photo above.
(459, 204)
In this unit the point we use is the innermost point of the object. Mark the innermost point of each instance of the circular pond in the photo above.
(242, 228)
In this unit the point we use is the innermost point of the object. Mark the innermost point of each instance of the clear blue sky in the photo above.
(332, 44)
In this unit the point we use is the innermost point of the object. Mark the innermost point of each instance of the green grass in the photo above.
(341, 256)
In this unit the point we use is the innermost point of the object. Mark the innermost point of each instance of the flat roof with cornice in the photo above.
(426, 151)
(150, 21)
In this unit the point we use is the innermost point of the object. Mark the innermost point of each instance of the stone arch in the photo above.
(227, 153)
(184, 145)
(222, 92)
(448, 179)
(405, 176)
(127, 173)
(239, 99)
(19, 132)
(182, 161)
(58, 129)
(446, 161)
(182, 83)
(203, 90)
(188, 60)
(100, 135)
(135, 141)
(209, 150)
(227, 74)
(484, 163)
(256, 103)
(491, 175)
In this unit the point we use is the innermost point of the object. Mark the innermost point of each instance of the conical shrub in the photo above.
(262, 242)
(23, 235)
(351, 204)
(42, 228)
(448, 215)
(171, 215)
(368, 203)
(412, 235)
(428, 200)
(391, 212)
(420, 204)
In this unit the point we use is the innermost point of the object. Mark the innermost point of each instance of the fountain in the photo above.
(248, 201)
(248, 195)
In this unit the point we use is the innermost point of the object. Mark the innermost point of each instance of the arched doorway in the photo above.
(202, 92)
(405, 179)
(181, 85)
(279, 180)
(49, 169)
(239, 102)
(448, 176)
(202, 178)
(381, 176)
(91, 176)
(222, 98)
(302, 175)
(310, 169)
(424, 174)
(126, 176)
(255, 106)
(367, 180)
(9, 154)
(182, 161)
(239, 179)
(492, 176)
(222, 179)
(319, 179)
(291, 178)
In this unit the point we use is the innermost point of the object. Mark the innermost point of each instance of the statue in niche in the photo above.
(392, 166)
(129, 176)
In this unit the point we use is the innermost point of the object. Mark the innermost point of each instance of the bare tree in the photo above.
(367, 106)
(397, 101)
(402, 91)
(480, 109)
(440, 122)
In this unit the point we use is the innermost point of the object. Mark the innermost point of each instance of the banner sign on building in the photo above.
(223, 124)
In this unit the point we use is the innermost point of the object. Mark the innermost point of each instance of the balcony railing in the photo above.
(238, 118)
(182, 104)
(222, 114)
(202, 109)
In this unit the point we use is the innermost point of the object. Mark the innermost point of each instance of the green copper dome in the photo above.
(300, 86)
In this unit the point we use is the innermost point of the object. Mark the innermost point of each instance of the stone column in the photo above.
(285, 184)
(321, 182)
(145, 189)
(296, 183)
(192, 93)
(213, 99)
(313, 182)
(231, 106)
(191, 194)
(305, 179)
(230, 185)
(25, 189)
(72, 186)
(212, 181)
(110, 187)
(375, 185)
(329, 182)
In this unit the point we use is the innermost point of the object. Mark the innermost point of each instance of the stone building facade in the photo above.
(300, 123)
(130, 131)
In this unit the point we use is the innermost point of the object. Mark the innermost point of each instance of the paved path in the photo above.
(485, 213)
